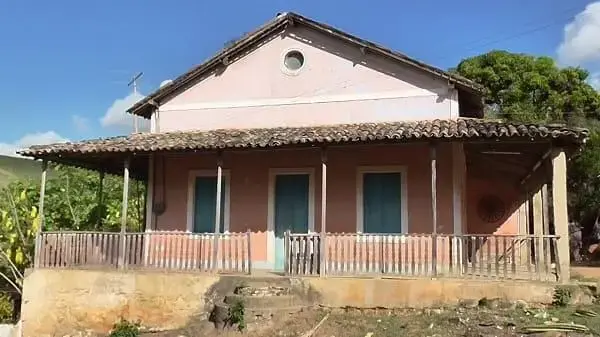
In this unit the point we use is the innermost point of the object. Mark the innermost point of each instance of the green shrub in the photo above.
(6, 309)
(124, 328)
(236, 315)
(561, 297)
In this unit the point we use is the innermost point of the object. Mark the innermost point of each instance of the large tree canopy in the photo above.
(532, 89)
(525, 88)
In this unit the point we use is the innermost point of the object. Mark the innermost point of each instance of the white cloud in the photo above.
(165, 82)
(581, 40)
(117, 118)
(40, 138)
(80, 123)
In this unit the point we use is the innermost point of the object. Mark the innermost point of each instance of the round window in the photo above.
(293, 60)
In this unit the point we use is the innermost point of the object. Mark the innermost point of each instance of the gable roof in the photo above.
(145, 106)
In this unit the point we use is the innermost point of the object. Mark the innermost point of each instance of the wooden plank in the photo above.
(215, 252)
(41, 212)
(249, 256)
(546, 221)
(561, 220)
(434, 206)
(323, 258)
(124, 210)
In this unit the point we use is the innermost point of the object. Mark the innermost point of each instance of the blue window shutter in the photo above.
(205, 204)
(291, 203)
(382, 204)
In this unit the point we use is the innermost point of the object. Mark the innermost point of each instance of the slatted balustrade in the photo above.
(157, 250)
(472, 256)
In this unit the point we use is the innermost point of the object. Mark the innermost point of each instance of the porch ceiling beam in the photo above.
(535, 167)
(498, 165)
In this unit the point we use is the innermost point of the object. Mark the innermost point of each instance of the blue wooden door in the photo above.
(382, 204)
(291, 210)
(205, 203)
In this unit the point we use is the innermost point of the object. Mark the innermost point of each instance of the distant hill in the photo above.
(12, 168)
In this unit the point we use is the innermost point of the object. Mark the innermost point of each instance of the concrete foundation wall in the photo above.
(59, 302)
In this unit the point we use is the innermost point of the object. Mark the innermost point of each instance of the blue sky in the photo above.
(65, 64)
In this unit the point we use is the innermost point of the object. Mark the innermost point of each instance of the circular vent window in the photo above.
(491, 208)
(293, 60)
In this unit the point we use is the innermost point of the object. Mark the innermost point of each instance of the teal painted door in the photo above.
(382, 204)
(205, 203)
(291, 210)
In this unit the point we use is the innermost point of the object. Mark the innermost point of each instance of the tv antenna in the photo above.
(134, 83)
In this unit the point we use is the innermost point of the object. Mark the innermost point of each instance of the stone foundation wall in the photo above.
(59, 302)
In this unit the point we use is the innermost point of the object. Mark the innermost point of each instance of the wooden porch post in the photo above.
(323, 247)
(42, 196)
(434, 206)
(100, 201)
(546, 221)
(538, 227)
(559, 208)
(124, 211)
(40, 228)
(218, 209)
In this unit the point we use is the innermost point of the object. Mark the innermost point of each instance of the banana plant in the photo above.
(19, 222)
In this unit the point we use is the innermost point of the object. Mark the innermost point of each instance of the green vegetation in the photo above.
(71, 203)
(527, 88)
(562, 296)
(125, 328)
(6, 309)
(236, 315)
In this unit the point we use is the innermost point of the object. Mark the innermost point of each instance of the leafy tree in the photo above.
(525, 88)
(71, 203)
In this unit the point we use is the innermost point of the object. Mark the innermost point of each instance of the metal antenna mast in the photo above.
(133, 83)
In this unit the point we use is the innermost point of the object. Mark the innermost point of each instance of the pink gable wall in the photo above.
(337, 84)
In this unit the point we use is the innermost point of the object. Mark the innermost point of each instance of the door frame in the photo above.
(361, 170)
(191, 197)
(273, 173)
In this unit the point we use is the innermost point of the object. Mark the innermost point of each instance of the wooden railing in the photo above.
(472, 256)
(229, 252)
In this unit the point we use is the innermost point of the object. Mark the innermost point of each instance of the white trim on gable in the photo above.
(361, 170)
(192, 175)
(273, 173)
(265, 102)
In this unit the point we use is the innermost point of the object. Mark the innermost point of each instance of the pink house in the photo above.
(330, 155)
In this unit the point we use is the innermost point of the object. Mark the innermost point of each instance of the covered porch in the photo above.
(350, 200)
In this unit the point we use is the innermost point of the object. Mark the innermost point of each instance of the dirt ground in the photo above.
(479, 321)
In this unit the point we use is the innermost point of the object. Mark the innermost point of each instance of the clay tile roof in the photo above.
(286, 136)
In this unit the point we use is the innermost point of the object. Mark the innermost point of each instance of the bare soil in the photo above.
(478, 321)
